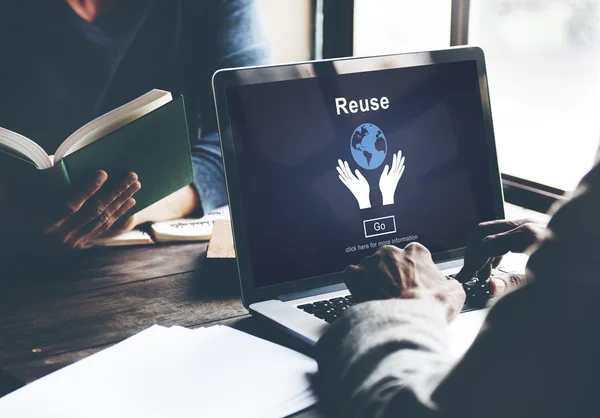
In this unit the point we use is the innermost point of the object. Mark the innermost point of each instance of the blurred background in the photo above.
(543, 60)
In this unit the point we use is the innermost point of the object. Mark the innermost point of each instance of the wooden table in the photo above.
(56, 311)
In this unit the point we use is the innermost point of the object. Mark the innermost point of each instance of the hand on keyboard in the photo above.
(478, 292)
(393, 273)
(491, 241)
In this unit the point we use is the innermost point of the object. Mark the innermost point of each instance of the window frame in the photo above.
(333, 31)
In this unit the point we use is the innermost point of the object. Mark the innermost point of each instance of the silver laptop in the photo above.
(326, 161)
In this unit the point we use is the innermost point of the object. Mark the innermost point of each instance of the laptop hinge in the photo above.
(459, 262)
(313, 292)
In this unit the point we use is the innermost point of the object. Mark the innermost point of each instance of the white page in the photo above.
(111, 121)
(135, 237)
(180, 329)
(301, 402)
(464, 329)
(213, 372)
(280, 374)
(80, 389)
(189, 229)
(24, 148)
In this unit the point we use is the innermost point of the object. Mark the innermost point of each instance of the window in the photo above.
(543, 60)
(288, 25)
(392, 26)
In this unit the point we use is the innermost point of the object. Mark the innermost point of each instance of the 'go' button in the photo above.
(380, 226)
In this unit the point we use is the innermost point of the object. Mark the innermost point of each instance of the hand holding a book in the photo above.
(91, 210)
(85, 213)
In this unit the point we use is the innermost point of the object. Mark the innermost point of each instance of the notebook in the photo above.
(177, 230)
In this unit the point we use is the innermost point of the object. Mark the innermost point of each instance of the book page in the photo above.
(24, 148)
(179, 230)
(135, 237)
(111, 121)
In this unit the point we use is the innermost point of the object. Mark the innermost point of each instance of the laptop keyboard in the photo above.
(478, 293)
(329, 310)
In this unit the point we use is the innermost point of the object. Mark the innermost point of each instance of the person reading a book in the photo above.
(72, 61)
(536, 354)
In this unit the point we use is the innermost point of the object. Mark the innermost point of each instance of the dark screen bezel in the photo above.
(226, 78)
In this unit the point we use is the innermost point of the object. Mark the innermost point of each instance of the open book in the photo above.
(178, 230)
(148, 135)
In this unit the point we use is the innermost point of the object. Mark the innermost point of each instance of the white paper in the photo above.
(464, 329)
(210, 372)
(301, 402)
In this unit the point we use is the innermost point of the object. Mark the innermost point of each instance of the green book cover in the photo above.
(23, 172)
(155, 146)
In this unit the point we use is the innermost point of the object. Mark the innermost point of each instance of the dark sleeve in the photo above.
(535, 356)
(381, 351)
(392, 359)
(232, 36)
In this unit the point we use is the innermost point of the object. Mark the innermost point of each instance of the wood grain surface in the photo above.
(55, 311)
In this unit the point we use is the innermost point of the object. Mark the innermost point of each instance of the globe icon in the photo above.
(368, 146)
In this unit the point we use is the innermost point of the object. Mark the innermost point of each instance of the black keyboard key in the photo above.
(478, 293)
(328, 310)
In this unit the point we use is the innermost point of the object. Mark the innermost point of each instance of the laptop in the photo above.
(326, 161)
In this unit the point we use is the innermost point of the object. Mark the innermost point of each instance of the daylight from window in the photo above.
(392, 26)
(543, 60)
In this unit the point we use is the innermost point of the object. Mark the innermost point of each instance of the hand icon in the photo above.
(358, 185)
(390, 177)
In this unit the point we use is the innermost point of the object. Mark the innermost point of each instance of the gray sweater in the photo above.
(536, 355)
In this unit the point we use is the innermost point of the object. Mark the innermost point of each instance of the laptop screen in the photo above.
(332, 167)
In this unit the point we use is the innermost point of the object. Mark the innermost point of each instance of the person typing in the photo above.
(534, 357)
